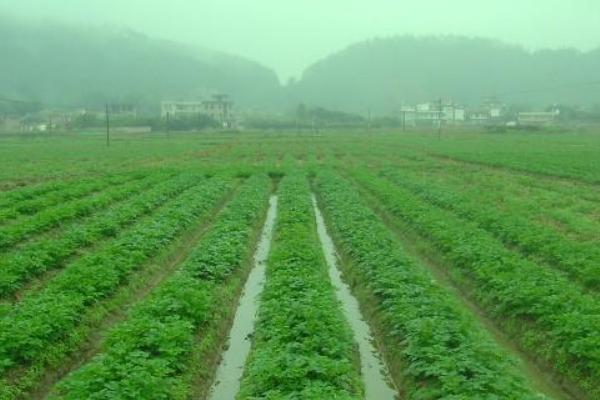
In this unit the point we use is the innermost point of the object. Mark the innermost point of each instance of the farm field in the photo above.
(468, 266)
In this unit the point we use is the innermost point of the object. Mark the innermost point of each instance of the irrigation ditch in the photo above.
(231, 368)
(226, 384)
(374, 371)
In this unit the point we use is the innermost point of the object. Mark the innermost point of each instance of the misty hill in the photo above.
(380, 74)
(68, 66)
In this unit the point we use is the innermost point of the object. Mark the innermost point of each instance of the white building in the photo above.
(479, 116)
(538, 117)
(430, 114)
(219, 107)
(496, 112)
(181, 108)
(420, 115)
(454, 113)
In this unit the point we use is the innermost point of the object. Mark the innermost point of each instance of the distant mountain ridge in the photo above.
(381, 74)
(62, 65)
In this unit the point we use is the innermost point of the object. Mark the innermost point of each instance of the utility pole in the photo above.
(107, 127)
(168, 124)
(453, 114)
(440, 120)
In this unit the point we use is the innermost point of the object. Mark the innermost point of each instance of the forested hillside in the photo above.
(61, 65)
(381, 73)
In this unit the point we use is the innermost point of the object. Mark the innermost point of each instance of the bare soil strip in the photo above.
(375, 373)
(231, 368)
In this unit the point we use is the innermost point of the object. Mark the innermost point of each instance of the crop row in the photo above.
(8, 198)
(51, 217)
(483, 177)
(579, 260)
(443, 351)
(72, 192)
(39, 256)
(47, 317)
(550, 160)
(302, 346)
(566, 210)
(158, 337)
(546, 313)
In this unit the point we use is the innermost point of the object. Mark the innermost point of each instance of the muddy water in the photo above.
(374, 372)
(231, 368)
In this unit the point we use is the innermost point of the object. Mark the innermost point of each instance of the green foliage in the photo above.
(48, 316)
(383, 73)
(88, 120)
(512, 218)
(195, 122)
(444, 352)
(44, 254)
(180, 123)
(93, 67)
(146, 356)
(74, 191)
(303, 348)
(579, 260)
(52, 216)
(547, 314)
(305, 118)
(19, 108)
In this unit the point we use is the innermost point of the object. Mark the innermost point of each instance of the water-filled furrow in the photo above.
(231, 368)
(374, 371)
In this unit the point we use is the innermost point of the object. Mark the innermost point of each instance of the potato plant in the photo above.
(443, 352)
(303, 347)
(578, 260)
(48, 316)
(147, 355)
(72, 192)
(545, 312)
(52, 217)
(38, 256)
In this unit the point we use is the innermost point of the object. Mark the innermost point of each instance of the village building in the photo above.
(219, 108)
(122, 110)
(537, 118)
(454, 114)
(421, 115)
(479, 116)
(181, 108)
(430, 114)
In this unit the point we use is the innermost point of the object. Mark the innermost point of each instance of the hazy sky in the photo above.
(288, 35)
